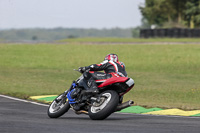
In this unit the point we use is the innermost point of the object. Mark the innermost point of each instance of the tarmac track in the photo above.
(25, 117)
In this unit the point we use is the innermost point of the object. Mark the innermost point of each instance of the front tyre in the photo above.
(58, 107)
(106, 106)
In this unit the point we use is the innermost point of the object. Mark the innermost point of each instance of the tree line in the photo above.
(40, 34)
(171, 13)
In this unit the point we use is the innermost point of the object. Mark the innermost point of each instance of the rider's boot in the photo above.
(93, 89)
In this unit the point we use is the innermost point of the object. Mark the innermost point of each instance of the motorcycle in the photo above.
(98, 106)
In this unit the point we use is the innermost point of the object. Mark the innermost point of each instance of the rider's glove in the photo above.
(81, 69)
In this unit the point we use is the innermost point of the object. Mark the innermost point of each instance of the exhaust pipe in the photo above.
(119, 107)
(81, 112)
(124, 105)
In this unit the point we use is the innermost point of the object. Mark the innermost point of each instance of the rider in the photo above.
(112, 68)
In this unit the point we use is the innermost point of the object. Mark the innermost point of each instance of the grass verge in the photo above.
(165, 75)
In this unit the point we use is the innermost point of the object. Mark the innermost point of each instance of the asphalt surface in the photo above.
(26, 117)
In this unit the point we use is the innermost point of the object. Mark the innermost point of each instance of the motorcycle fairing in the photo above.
(121, 84)
(112, 81)
(130, 82)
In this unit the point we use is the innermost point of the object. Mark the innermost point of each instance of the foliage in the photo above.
(178, 13)
(153, 13)
(193, 13)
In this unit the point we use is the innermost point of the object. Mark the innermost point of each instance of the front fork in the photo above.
(64, 95)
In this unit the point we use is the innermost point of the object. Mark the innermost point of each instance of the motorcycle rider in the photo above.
(112, 68)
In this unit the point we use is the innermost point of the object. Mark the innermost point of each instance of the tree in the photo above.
(192, 13)
(173, 12)
(153, 13)
(34, 38)
(158, 12)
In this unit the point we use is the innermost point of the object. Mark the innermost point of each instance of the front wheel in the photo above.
(107, 105)
(58, 107)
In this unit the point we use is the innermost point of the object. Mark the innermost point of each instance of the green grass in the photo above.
(128, 40)
(165, 75)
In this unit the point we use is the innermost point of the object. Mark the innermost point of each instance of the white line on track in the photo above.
(21, 100)
(26, 101)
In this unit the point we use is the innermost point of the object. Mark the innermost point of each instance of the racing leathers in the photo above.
(111, 69)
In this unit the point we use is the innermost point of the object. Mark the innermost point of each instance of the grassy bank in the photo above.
(165, 75)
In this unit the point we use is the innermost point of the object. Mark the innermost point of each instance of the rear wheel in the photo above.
(106, 106)
(58, 107)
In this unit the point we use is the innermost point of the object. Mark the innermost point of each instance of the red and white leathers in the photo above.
(111, 69)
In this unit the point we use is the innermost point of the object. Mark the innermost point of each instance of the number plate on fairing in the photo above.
(130, 82)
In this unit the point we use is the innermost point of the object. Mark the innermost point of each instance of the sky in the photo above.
(70, 13)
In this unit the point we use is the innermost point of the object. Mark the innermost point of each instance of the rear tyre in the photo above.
(107, 105)
(58, 107)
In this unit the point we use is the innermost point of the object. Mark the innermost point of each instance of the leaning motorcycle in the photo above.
(98, 106)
